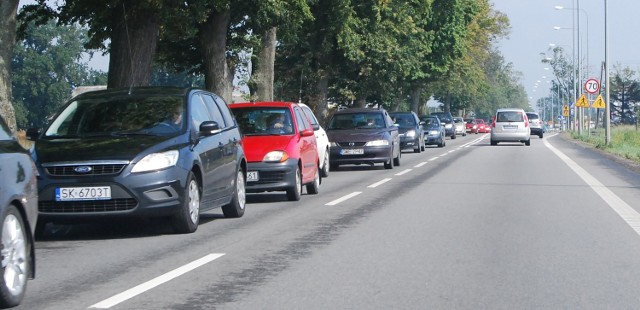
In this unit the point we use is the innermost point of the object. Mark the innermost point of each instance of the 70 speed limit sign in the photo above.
(592, 86)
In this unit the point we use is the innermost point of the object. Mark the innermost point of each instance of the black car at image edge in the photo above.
(19, 214)
(140, 152)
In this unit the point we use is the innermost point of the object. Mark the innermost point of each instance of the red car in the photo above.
(482, 126)
(280, 148)
(471, 125)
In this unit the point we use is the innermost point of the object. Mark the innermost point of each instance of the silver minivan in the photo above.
(510, 125)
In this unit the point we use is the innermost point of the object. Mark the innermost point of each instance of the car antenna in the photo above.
(126, 27)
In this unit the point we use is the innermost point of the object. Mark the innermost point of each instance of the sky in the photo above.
(532, 30)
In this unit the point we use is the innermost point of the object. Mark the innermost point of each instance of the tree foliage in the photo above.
(48, 65)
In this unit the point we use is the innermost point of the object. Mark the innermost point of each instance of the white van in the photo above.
(510, 125)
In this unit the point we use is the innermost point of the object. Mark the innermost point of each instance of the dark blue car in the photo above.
(140, 152)
(434, 131)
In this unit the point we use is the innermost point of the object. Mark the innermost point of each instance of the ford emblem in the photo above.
(82, 169)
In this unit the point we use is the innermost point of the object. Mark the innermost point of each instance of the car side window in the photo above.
(226, 111)
(302, 121)
(214, 109)
(310, 115)
(199, 111)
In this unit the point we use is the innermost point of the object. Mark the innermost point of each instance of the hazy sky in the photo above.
(532, 30)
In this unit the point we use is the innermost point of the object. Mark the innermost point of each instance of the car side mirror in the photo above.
(33, 133)
(209, 128)
(307, 132)
(315, 127)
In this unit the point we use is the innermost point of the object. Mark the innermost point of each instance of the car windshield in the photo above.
(119, 115)
(532, 116)
(356, 121)
(430, 122)
(443, 117)
(256, 121)
(404, 120)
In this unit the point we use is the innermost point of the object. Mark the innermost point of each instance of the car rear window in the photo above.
(510, 116)
(532, 116)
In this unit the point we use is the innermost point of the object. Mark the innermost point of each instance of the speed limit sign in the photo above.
(592, 86)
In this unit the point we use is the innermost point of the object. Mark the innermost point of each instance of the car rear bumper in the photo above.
(272, 176)
(510, 136)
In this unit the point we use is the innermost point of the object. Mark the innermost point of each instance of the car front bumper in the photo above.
(370, 154)
(148, 194)
(272, 176)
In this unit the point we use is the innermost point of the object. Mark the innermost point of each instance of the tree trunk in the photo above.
(415, 99)
(218, 76)
(133, 47)
(322, 109)
(263, 74)
(8, 11)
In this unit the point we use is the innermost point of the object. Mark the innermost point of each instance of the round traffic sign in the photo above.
(592, 86)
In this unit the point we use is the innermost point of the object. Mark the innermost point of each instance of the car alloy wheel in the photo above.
(187, 219)
(236, 207)
(15, 258)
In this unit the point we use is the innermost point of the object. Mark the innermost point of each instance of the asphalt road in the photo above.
(468, 226)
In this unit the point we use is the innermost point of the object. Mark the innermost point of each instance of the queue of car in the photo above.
(176, 152)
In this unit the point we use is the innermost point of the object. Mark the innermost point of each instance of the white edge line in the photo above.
(130, 293)
(343, 198)
(420, 164)
(374, 185)
(403, 172)
(434, 158)
(624, 210)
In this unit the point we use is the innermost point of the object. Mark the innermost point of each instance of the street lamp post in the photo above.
(577, 9)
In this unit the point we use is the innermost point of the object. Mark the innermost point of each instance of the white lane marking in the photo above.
(434, 158)
(374, 185)
(130, 293)
(451, 151)
(403, 172)
(420, 164)
(626, 212)
(343, 198)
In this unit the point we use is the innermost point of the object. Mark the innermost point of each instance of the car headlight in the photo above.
(433, 132)
(275, 157)
(377, 143)
(447, 126)
(156, 161)
(411, 134)
(332, 144)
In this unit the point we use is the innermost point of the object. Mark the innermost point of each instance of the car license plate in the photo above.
(351, 151)
(252, 176)
(83, 193)
(510, 126)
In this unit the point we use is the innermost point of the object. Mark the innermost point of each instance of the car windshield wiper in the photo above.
(132, 133)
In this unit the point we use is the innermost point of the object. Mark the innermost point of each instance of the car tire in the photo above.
(453, 136)
(417, 149)
(389, 163)
(396, 161)
(186, 221)
(16, 258)
(493, 142)
(313, 188)
(294, 192)
(528, 142)
(236, 207)
(325, 166)
(333, 167)
(541, 135)
(423, 145)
